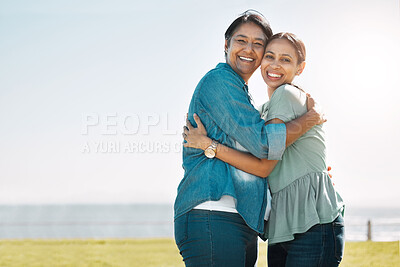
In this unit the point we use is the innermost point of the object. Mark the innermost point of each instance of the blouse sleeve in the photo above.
(287, 103)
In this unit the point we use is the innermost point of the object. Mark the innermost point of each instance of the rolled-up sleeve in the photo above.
(276, 140)
(226, 103)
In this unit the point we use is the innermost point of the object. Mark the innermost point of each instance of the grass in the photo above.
(372, 254)
(88, 253)
(153, 253)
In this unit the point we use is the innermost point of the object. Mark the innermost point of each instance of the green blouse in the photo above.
(302, 191)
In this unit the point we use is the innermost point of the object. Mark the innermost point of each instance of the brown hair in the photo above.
(295, 41)
(246, 17)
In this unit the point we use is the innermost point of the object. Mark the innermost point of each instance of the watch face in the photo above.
(210, 153)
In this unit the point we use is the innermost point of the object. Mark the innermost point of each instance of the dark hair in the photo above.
(246, 17)
(295, 41)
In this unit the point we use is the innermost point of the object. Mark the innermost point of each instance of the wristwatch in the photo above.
(211, 151)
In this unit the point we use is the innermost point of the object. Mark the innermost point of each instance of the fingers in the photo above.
(324, 119)
(200, 130)
(198, 121)
(310, 102)
(188, 124)
(329, 168)
(185, 132)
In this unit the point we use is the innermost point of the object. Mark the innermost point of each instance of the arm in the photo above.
(245, 161)
(222, 100)
(227, 105)
(286, 105)
(197, 138)
(299, 126)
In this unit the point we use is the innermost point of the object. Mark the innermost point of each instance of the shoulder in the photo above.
(288, 90)
(222, 73)
(288, 93)
(221, 81)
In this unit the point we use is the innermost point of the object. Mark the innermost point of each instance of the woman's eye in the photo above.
(287, 60)
(259, 44)
(241, 41)
(269, 57)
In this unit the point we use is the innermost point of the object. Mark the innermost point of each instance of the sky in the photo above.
(93, 94)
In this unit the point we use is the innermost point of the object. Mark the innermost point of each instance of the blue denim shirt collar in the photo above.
(228, 67)
(245, 86)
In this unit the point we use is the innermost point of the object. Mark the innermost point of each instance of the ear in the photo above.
(226, 46)
(300, 68)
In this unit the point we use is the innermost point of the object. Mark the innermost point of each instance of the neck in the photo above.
(246, 79)
(270, 91)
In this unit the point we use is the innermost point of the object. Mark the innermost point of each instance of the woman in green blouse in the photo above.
(305, 227)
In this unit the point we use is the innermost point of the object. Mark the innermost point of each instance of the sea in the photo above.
(98, 221)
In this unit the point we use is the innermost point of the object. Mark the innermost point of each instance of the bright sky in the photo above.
(93, 93)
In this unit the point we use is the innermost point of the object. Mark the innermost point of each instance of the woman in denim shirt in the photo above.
(305, 227)
(220, 210)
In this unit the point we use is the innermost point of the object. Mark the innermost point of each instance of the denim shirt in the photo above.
(223, 104)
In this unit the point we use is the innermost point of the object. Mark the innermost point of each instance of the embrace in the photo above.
(256, 173)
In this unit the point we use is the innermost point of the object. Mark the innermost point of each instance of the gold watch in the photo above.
(211, 151)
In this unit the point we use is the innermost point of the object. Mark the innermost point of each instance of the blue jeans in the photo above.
(215, 238)
(322, 245)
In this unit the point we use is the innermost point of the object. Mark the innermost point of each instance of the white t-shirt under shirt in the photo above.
(228, 204)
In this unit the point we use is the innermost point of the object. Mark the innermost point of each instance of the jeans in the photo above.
(215, 238)
(322, 245)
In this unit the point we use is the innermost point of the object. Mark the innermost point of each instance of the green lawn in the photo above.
(153, 253)
(371, 254)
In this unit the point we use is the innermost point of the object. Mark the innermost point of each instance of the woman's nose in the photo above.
(248, 47)
(275, 65)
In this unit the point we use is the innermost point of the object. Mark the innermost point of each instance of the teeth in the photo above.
(247, 59)
(274, 75)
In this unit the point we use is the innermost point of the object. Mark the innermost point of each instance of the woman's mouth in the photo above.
(274, 76)
(247, 59)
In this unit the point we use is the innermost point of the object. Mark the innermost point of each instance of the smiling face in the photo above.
(246, 49)
(280, 63)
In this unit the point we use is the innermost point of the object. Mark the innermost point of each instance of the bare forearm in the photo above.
(245, 161)
(197, 138)
(299, 126)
